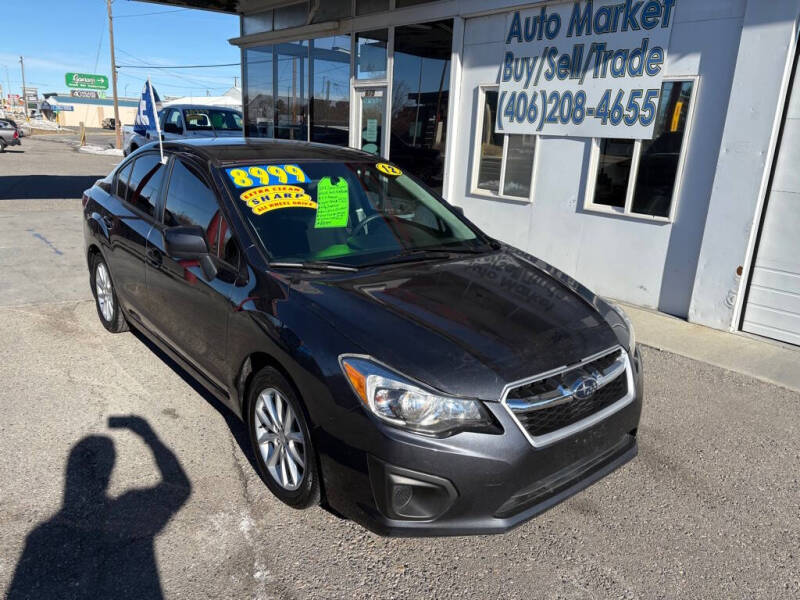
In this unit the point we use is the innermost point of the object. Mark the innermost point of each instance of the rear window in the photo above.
(210, 120)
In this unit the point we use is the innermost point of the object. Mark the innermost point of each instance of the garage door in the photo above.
(773, 301)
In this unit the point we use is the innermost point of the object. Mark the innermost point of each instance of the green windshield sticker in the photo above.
(333, 203)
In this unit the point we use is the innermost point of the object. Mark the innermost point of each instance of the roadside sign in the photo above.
(31, 94)
(62, 107)
(86, 81)
(84, 94)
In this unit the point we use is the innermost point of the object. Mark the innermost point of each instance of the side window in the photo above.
(191, 201)
(145, 182)
(122, 180)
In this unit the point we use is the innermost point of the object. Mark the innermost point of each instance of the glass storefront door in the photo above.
(370, 107)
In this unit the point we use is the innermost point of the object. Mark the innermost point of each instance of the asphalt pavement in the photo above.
(166, 499)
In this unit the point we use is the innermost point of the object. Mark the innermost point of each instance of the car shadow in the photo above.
(99, 546)
(43, 187)
(235, 424)
(7, 151)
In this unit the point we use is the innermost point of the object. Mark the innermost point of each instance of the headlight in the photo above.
(628, 324)
(397, 400)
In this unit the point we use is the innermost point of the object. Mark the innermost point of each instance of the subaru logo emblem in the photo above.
(584, 388)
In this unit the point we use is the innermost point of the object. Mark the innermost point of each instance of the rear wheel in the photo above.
(2, 145)
(105, 298)
(281, 440)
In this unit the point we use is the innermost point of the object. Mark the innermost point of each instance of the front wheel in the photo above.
(281, 440)
(105, 298)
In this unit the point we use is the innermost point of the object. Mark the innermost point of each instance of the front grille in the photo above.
(552, 403)
(547, 420)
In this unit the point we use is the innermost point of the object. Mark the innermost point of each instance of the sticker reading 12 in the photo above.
(388, 169)
(244, 177)
(272, 197)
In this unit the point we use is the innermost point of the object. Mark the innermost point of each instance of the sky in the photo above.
(63, 36)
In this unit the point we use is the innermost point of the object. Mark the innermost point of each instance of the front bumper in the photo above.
(401, 484)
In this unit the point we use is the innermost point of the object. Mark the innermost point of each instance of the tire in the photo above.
(2, 146)
(296, 484)
(105, 296)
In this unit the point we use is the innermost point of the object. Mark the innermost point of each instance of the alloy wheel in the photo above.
(280, 439)
(105, 295)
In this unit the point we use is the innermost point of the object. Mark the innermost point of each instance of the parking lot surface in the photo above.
(166, 500)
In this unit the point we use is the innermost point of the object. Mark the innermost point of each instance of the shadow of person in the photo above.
(96, 546)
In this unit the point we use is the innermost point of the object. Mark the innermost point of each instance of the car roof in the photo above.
(229, 150)
(201, 107)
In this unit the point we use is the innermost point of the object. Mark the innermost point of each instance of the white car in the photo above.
(182, 121)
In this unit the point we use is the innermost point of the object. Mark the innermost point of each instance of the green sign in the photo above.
(87, 82)
(333, 202)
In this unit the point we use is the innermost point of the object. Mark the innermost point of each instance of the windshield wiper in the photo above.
(313, 264)
(410, 256)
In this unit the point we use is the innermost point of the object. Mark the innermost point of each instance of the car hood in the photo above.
(466, 326)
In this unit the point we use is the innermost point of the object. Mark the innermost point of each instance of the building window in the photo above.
(291, 91)
(259, 96)
(330, 104)
(371, 54)
(421, 84)
(641, 177)
(504, 162)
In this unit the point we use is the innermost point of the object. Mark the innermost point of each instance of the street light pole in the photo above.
(117, 127)
(24, 95)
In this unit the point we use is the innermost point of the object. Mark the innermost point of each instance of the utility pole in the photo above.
(24, 95)
(117, 127)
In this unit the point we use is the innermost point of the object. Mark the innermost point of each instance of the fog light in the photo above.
(405, 494)
(401, 496)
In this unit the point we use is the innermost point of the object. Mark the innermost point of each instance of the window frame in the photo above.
(589, 204)
(208, 179)
(154, 218)
(476, 155)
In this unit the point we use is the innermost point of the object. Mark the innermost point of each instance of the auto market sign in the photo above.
(88, 82)
(584, 69)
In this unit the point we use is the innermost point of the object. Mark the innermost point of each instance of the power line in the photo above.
(161, 12)
(146, 66)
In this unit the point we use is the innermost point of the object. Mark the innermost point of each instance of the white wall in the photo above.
(645, 263)
(745, 160)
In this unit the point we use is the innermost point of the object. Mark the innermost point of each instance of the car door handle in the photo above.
(154, 256)
(108, 220)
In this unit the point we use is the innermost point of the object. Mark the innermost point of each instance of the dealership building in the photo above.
(650, 149)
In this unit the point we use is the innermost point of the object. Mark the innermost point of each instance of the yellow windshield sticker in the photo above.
(333, 203)
(243, 177)
(265, 198)
(388, 169)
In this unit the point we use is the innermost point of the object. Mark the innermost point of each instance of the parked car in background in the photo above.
(391, 361)
(9, 135)
(187, 121)
(108, 123)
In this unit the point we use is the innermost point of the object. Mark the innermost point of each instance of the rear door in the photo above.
(137, 189)
(193, 311)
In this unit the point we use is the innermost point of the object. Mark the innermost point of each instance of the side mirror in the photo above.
(172, 128)
(189, 242)
(458, 209)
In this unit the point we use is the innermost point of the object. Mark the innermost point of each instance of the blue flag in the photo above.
(146, 119)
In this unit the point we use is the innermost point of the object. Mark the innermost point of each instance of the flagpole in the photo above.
(158, 125)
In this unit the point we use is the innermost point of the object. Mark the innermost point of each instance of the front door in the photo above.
(369, 125)
(193, 311)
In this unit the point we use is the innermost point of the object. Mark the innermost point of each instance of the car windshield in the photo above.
(208, 119)
(347, 213)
